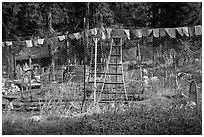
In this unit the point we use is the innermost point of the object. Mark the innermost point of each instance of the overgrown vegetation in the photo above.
(151, 113)
(158, 119)
(155, 115)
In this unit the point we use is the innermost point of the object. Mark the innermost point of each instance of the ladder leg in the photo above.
(123, 76)
(106, 72)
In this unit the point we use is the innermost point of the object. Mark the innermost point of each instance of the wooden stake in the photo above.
(95, 67)
(139, 57)
(29, 76)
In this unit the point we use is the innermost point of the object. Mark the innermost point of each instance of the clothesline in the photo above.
(108, 32)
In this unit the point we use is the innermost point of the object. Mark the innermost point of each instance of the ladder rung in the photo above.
(96, 82)
(107, 73)
(114, 83)
(97, 73)
(105, 91)
(116, 45)
(98, 63)
(111, 100)
(115, 64)
(108, 92)
(115, 54)
(114, 74)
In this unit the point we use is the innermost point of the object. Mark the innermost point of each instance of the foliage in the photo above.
(31, 18)
(40, 19)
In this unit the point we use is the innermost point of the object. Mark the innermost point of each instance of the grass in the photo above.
(160, 118)
(154, 116)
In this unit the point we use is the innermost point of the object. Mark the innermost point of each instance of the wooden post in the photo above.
(30, 76)
(14, 66)
(140, 61)
(30, 61)
(116, 67)
(40, 70)
(7, 61)
(53, 69)
(95, 67)
(14, 62)
(85, 43)
(11, 62)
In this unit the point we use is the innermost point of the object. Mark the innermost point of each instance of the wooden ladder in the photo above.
(113, 85)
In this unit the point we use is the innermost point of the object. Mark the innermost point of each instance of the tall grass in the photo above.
(154, 116)
(156, 119)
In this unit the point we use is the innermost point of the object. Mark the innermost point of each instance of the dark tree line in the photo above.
(21, 20)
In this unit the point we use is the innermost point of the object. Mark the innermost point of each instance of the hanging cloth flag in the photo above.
(145, 32)
(180, 31)
(65, 37)
(22, 45)
(77, 35)
(118, 33)
(185, 31)
(149, 31)
(198, 30)
(171, 32)
(71, 36)
(91, 32)
(35, 42)
(139, 33)
(162, 32)
(133, 34)
(88, 32)
(29, 43)
(40, 41)
(61, 38)
(47, 42)
(127, 32)
(16, 46)
(155, 32)
(94, 31)
(109, 31)
(191, 31)
(102, 32)
(55, 42)
(103, 35)
(8, 43)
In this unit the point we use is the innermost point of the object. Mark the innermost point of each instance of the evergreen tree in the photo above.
(26, 19)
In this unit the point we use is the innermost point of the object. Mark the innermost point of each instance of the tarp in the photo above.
(33, 52)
